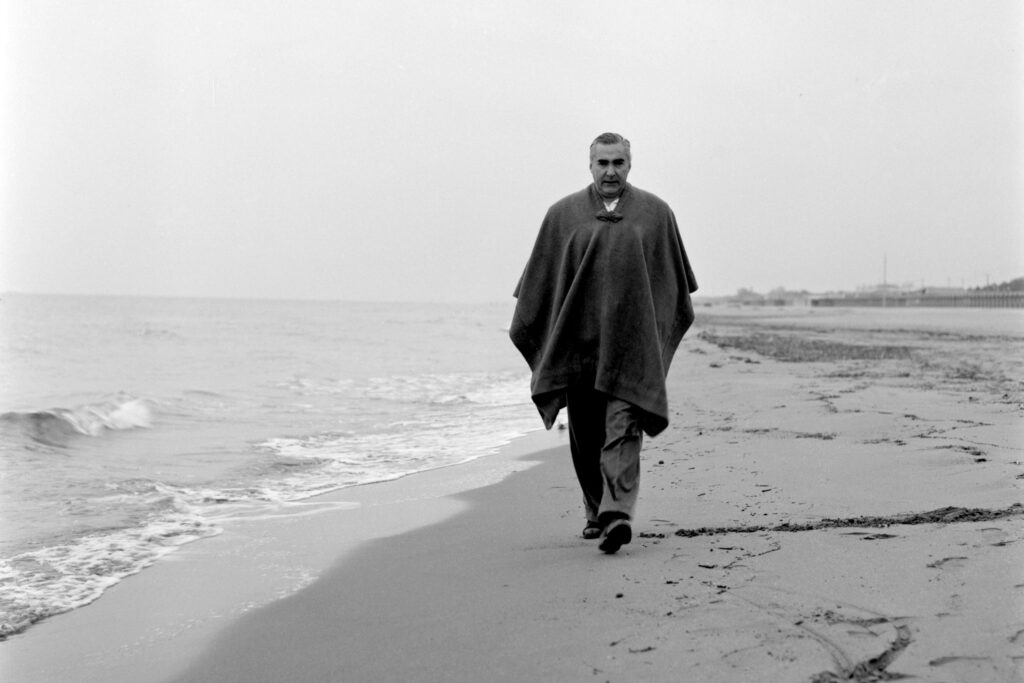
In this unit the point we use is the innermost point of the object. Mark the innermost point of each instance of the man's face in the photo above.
(609, 165)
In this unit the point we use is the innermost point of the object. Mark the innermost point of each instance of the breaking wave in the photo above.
(57, 426)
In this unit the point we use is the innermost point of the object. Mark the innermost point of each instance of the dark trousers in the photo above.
(605, 439)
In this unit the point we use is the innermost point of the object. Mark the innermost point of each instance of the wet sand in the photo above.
(837, 498)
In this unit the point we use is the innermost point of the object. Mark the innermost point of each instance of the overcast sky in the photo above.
(409, 150)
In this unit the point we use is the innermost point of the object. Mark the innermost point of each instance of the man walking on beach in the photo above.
(601, 306)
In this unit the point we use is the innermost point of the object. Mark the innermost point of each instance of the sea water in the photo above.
(130, 426)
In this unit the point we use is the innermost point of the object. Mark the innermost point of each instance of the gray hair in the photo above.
(610, 139)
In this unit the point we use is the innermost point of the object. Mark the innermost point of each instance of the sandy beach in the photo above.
(837, 498)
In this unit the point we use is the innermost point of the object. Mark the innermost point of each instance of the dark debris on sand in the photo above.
(801, 349)
(944, 515)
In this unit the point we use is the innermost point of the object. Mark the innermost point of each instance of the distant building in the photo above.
(946, 297)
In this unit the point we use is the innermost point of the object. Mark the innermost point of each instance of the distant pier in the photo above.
(925, 298)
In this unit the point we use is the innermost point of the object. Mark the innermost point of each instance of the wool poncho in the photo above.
(603, 302)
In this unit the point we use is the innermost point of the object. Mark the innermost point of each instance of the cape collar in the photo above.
(602, 213)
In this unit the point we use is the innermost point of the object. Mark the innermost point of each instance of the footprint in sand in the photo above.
(995, 536)
(867, 536)
(958, 562)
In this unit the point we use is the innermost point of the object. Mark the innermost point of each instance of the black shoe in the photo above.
(616, 535)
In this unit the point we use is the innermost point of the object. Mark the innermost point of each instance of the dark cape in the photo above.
(604, 302)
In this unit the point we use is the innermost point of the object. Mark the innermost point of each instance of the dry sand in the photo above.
(836, 499)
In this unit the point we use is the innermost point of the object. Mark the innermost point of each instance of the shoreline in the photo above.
(148, 626)
(506, 590)
(477, 572)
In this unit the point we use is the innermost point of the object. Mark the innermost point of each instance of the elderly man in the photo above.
(601, 306)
